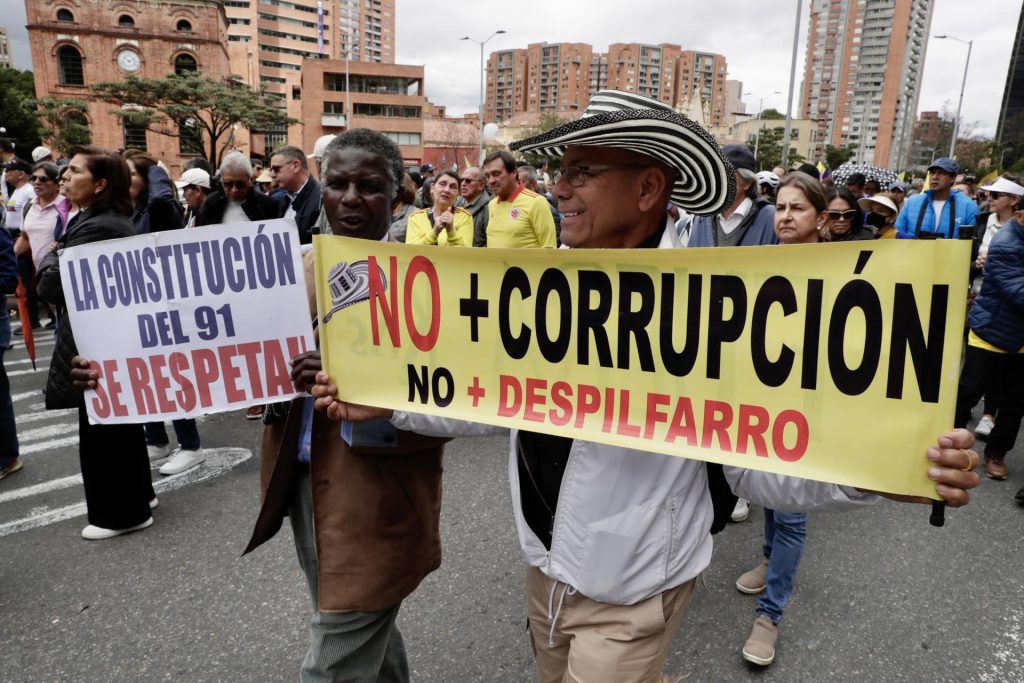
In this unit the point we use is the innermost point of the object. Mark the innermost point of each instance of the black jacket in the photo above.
(307, 209)
(257, 206)
(85, 228)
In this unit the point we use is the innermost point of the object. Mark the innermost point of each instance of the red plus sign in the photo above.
(476, 391)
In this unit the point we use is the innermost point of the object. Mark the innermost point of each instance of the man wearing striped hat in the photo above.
(614, 538)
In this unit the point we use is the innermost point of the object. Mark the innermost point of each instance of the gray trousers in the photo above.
(344, 647)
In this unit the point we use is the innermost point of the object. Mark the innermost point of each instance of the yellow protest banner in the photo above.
(833, 362)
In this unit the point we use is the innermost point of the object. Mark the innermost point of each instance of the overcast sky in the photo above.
(754, 35)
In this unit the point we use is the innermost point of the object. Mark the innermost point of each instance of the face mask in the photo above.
(875, 220)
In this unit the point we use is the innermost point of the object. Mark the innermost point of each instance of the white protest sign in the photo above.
(188, 322)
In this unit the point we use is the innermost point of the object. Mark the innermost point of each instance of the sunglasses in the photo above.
(232, 184)
(842, 215)
(40, 179)
(996, 195)
(469, 180)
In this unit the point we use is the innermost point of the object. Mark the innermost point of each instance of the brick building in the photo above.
(559, 78)
(388, 98)
(76, 44)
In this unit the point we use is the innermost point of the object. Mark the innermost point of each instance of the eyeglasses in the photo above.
(469, 180)
(996, 195)
(233, 184)
(577, 175)
(842, 215)
(39, 179)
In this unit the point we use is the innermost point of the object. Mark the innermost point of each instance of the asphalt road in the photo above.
(880, 595)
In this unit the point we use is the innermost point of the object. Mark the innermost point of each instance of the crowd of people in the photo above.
(606, 590)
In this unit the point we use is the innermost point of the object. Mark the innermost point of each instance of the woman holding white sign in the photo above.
(115, 468)
(156, 208)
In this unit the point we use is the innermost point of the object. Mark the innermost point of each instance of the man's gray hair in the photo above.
(531, 173)
(292, 153)
(235, 161)
(375, 143)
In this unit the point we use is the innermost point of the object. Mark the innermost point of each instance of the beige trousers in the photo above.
(585, 641)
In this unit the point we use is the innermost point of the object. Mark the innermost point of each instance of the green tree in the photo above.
(20, 121)
(769, 149)
(772, 114)
(63, 122)
(837, 156)
(206, 109)
(547, 121)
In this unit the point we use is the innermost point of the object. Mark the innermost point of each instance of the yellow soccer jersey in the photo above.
(421, 231)
(522, 221)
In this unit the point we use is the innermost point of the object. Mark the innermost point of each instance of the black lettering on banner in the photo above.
(634, 323)
(775, 290)
(553, 281)
(442, 400)
(812, 335)
(680, 363)
(855, 294)
(515, 279)
(418, 386)
(908, 332)
(591, 319)
(722, 330)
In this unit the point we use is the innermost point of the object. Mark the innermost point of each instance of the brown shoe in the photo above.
(754, 581)
(996, 469)
(760, 646)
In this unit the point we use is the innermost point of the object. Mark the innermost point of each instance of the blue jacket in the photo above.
(158, 208)
(997, 315)
(966, 213)
(759, 226)
(8, 265)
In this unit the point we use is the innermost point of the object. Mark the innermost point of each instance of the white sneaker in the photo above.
(985, 426)
(158, 452)
(741, 511)
(181, 460)
(153, 503)
(98, 533)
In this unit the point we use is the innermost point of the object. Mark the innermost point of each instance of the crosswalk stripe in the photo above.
(218, 461)
(47, 445)
(41, 368)
(27, 394)
(47, 432)
(36, 489)
(39, 417)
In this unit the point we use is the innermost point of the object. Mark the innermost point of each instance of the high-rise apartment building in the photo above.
(5, 50)
(735, 108)
(1013, 95)
(274, 36)
(559, 78)
(863, 72)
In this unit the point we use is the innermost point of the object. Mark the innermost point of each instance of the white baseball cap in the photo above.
(1006, 187)
(320, 146)
(194, 176)
(40, 153)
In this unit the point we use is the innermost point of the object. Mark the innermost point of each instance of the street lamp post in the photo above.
(963, 84)
(481, 43)
(792, 84)
(760, 108)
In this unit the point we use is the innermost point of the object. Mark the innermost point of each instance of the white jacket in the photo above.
(630, 524)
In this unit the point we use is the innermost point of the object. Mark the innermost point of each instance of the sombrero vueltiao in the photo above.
(705, 180)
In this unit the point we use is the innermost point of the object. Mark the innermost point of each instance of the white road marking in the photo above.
(48, 432)
(47, 445)
(36, 489)
(218, 461)
(27, 394)
(41, 368)
(39, 417)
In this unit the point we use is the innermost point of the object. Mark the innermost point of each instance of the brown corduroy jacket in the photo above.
(376, 511)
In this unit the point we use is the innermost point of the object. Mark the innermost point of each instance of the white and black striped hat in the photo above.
(705, 180)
